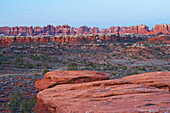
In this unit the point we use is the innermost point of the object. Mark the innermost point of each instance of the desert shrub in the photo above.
(72, 66)
(39, 64)
(90, 64)
(18, 104)
(166, 68)
(41, 57)
(159, 69)
(18, 65)
(36, 74)
(9, 76)
(1, 61)
(18, 61)
(45, 70)
(108, 57)
(28, 65)
(143, 69)
(7, 62)
(109, 67)
(124, 67)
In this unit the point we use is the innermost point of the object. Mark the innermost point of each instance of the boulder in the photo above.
(69, 77)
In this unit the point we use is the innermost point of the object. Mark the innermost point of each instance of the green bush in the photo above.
(72, 66)
(39, 64)
(143, 69)
(90, 64)
(18, 104)
(18, 61)
(28, 65)
(36, 74)
(18, 65)
(45, 70)
(10, 76)
(124, 67)
(109, 67)
(41, 57)
(1, 61)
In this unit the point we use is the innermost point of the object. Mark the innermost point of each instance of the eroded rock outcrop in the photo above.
(71, 39)
(162, 29)
(69, 77)
(68, 34)
(133, 95)
(68, 30)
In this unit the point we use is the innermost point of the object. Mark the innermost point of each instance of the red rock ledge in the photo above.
(109, 96)
(69, 77)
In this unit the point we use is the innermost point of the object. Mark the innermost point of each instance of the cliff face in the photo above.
(71, 39)
(68, 30)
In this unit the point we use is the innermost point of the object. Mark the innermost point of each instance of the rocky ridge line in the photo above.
(68, 30)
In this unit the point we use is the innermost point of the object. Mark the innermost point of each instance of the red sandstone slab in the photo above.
(154, 79)
(106, 96)
(68, 77)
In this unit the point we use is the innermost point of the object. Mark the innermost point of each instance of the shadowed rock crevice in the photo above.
(164, 87)
(78, 79)
(52, 85)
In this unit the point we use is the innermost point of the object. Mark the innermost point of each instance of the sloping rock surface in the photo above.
(155, 79)
(105, 96)
(110, 96)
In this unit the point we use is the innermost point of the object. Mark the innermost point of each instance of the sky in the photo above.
(92, 13)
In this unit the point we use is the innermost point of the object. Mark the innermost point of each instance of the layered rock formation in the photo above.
(119, 95)
(83, 34)
(69, 77)
(73, 39)
(68, 30)
(155, 79)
